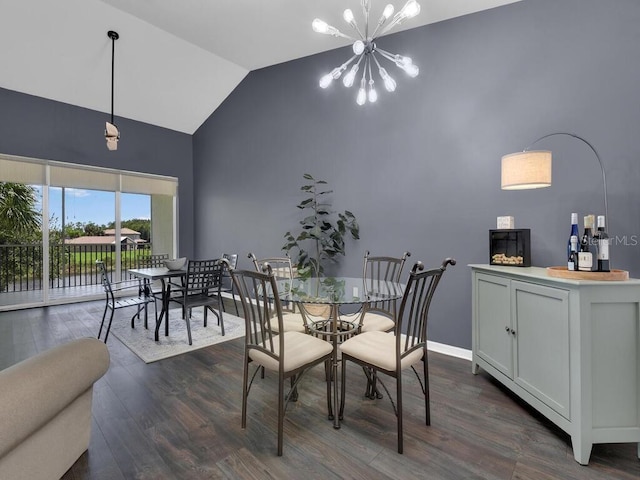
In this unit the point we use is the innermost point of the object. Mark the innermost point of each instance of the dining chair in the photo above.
(111, 289)
(200, 288)
(380, 315)
(227, 283)
(289, 354)
(391, 353)
(152, 261)
(283, 270)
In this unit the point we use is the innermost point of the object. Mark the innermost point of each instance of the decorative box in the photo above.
(510, 247)
(505, 222)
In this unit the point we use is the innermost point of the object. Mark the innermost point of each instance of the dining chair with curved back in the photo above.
(227, 283)
(380, 315)
(200, 288)
(282, 269)
(113, 302)
(289, 354)
(390, 353)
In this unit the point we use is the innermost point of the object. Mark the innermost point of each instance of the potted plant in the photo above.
(322, 233)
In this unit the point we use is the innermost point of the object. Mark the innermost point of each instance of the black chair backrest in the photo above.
(414, 308)
(382, 269)
(106, 283)
(258, 313)
(203, 276)
(152, 261)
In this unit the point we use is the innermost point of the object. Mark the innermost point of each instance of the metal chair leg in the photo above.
(104, 315)
(106, 335)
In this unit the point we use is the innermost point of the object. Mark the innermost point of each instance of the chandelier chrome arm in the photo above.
(410, 10)
(388, 11)
(320, 26)
(335, 74)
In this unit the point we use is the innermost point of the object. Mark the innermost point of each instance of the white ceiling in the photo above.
(176, 60)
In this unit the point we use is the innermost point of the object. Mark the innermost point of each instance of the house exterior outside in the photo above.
(129, 240)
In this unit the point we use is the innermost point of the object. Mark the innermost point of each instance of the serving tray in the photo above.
(613, 275)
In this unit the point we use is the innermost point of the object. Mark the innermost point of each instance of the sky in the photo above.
(96, 206)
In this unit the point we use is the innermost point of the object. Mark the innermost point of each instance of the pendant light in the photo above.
(111, 132)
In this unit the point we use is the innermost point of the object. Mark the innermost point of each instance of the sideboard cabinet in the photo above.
(569, 348)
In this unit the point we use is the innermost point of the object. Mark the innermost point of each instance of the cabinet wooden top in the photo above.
(542, 274)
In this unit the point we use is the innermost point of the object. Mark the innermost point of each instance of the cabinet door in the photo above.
(493, 322)
(541, 333)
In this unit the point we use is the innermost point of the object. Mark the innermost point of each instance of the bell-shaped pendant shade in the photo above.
(525, 170)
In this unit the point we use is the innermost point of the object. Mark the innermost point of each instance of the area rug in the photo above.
(141, 342)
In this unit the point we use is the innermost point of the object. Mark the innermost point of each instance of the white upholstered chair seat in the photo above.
(300, 349)
(291, 322)
(376, 322)
(379, 349)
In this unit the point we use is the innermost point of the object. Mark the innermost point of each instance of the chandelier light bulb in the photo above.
(388, 11)
(362, 96)
(358, 47)
(326, 80)
(373, 95)
(348, 16)
(410, 9)
(389, 83)
(411, 69)
(320, 26)
(349, 78)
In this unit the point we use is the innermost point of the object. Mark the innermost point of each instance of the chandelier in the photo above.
(365, 50)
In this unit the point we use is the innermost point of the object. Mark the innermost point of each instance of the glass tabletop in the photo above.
(338, 290)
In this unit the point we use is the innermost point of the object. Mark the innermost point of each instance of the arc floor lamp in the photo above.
(532, 168)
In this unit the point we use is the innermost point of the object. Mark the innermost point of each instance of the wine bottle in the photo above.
(572, 262)
(588, 252)
(574, 231)
(603, 246)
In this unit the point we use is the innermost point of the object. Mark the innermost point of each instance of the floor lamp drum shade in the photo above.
(525, 170)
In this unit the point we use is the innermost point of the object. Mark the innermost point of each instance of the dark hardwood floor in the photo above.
(179, 418)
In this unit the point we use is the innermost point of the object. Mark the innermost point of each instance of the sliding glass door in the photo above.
(81, 214)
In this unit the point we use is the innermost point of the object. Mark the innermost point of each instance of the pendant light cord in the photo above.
(113, 36)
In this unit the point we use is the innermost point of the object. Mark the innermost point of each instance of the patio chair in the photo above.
(391, 353)
(200, 288)
(289, 354)
(112, 289)
(155, 290)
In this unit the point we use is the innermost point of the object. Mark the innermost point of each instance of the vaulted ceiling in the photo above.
(176, 60)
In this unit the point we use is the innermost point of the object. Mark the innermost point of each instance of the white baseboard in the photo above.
(449, 350)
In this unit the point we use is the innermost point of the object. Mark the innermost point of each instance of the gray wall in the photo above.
(39, 128)
(421, 168)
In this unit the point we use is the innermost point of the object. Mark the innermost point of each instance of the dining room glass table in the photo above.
(336, 293)
(152, 274)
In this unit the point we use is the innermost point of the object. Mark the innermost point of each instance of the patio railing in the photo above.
(21, 266)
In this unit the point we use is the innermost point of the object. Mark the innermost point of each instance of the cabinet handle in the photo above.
(506, 329)
(513, 332)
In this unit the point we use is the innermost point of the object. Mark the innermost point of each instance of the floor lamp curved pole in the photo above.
(532, 168)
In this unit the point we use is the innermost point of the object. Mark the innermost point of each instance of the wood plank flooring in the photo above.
(180, 419)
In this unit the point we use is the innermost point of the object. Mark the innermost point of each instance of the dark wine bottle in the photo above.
(603, 246)
(587, 258)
